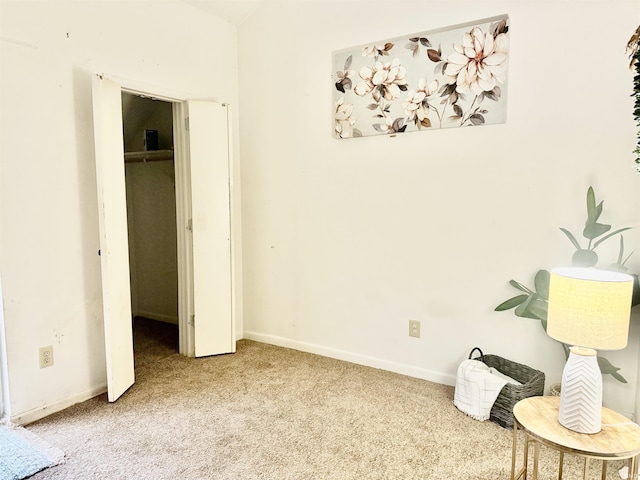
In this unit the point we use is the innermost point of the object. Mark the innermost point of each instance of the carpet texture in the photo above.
(267, 412)
(23, 453)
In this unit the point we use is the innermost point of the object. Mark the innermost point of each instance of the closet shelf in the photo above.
(149, 156)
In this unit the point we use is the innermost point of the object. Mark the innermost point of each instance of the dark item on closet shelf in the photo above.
(150, 140)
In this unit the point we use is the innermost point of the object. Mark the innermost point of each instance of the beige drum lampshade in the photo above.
(589, 307)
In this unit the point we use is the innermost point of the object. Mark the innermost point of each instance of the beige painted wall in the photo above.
(48, 218)
(151, 212)
(346, 240)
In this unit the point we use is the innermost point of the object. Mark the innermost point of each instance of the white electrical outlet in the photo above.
(414, 328)
(46, 356)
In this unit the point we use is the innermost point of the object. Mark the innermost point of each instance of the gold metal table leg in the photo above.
(633, 468)
(526, 456)
(561, 466)
(585, 474)
(536, 456)
(514, 451)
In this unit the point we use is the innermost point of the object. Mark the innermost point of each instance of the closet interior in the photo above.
(151, 217)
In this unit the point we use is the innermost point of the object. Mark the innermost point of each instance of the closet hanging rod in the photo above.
(149, 156)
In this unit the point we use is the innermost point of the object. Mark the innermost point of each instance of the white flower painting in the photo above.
(452, 77)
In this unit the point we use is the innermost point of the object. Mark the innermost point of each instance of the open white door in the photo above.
(210, 208)
(114, 244)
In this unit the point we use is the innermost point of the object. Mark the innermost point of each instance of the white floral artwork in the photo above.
(451, 77)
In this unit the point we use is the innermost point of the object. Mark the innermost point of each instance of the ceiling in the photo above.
(233, 11)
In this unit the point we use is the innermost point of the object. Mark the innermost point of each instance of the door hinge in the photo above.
(192, 321)
(186, 124)
(190, 225)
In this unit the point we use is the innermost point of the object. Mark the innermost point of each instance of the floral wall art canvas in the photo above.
(450, 77)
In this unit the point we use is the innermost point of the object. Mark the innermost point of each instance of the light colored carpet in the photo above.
(273, 413)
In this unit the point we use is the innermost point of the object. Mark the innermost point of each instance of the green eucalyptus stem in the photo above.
(533, 303)
(633, 50)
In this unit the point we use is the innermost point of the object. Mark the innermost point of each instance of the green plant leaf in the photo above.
(610, 235)
(608, 369)
(584, 258)
(626, 259)
(593, 211)
(621, 260)
(591, 206)
(599, 210)
(594, 230)
(523, 309)
(511, 303)
(618, 265)
(538, 308)
(571, 238)
(621, 250)
(519, 286)
(618, 377)
(542, 283)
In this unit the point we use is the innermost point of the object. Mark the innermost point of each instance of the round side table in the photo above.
(537, 417)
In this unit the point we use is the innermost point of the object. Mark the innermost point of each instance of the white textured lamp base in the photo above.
(581, 392)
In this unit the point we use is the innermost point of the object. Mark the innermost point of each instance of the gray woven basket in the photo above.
(532, 385)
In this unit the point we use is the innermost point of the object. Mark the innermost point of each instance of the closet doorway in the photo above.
(151, 220)
(203, 212)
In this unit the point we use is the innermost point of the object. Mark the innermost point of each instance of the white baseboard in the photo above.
(401, 368)
(157, 316)
(31, 416)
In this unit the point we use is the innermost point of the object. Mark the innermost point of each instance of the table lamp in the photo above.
(589, 310)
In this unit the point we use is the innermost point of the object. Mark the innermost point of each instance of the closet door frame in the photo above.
(183, 208)
(183, 211)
